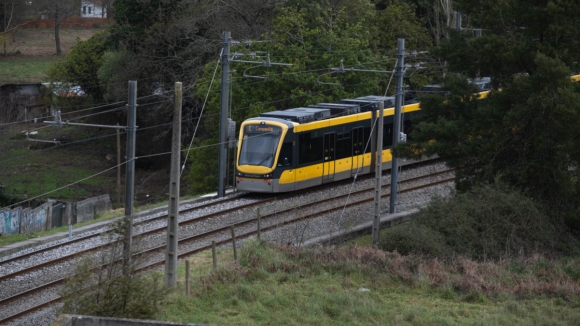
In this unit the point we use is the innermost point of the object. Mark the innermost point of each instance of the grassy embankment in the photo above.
(32, 51)
(493, 259)
(355, 285)
(29, 169)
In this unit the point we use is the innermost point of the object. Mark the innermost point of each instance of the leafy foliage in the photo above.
(107, 291)
(108, 75)
(81, 66)
(7, 197)
(514, 32)
(312, 47)
(488, 222)
(399, 21)
(525, 135)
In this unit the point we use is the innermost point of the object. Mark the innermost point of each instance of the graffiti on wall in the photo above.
(3, 214)
(34, 220)
(26, 220)
(10, 221)
(15, 220)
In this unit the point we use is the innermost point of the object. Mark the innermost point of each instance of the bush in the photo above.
(8, 197)
(487, 222)
(107, 292)
(415, 239)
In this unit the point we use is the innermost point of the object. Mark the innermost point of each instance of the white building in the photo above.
(93, 9)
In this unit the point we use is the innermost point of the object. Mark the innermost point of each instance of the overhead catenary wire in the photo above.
(201, 113)
(154, 103)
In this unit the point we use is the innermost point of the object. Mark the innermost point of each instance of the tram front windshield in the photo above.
(259, 145)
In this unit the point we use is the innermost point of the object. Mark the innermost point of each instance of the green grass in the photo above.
(35, 173)
(30, 52)
(273, 289)
(16, 70)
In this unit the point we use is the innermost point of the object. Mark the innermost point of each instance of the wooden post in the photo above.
(259, 226)
(234, 243)
(173, 211)
(187, 278)
(118, 167)
(213, 255)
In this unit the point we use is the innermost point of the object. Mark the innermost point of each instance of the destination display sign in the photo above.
(262, 129)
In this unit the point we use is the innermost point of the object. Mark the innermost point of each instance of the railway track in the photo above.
(199, 226)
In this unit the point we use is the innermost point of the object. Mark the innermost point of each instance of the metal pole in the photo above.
(378, 173)
(173, 210)
(458, 20)
(397, 121)
(130, 175)
(224, 114)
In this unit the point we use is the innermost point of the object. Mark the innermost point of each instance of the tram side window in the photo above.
(285, 158)
(343, 146)
(387, 135)
(310, 149)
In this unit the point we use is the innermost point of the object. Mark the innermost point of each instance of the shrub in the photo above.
(99, 287)
(486, 222)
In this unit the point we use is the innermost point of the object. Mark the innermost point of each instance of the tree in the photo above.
(313, 36)
(399, 21)
(79, 66)
(10, 11)
(59, 10)
(313, 39)
(513, 33)
(527, 134)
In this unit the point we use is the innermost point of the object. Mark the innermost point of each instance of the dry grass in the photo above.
(41, 42)
(522, 276)
(31, 52)
(354, 285)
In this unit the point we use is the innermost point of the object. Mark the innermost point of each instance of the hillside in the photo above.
(29, 168)
(32, 51)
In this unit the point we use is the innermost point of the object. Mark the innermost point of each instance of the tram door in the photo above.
(329, 155)
(358, 149)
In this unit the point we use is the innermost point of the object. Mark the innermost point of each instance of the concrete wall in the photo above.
(34, 220)
(10, 220)
(88, 209)
(19, 220)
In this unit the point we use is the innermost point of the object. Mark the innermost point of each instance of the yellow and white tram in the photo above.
(288, 150)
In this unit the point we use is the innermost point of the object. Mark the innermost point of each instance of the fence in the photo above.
(51, 214)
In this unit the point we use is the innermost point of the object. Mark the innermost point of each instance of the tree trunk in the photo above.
(57, 35)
